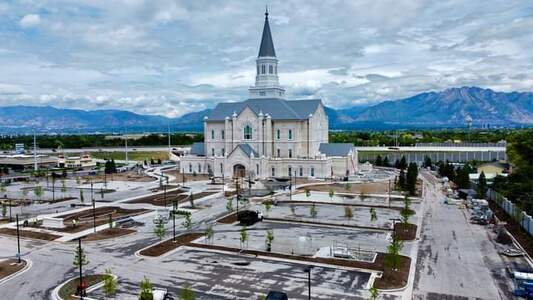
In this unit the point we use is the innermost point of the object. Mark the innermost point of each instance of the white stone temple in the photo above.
(268, 135)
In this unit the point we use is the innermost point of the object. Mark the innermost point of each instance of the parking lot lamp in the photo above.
(94, 208)
(174, 226)
(18, 239)
(308, 271)
(10, 218)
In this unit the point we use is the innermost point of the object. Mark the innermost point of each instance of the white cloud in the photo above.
(31, 20)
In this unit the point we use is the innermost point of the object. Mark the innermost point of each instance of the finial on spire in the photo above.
(266, 11)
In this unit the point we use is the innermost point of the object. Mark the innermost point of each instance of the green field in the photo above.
(133, 155)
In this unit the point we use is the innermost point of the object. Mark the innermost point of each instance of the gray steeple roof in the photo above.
(267, 46)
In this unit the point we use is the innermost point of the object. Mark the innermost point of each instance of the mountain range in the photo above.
(449, 108)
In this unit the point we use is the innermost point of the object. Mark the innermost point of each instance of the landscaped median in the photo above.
(69, 288)
(10, 267)
(169, 245)
(405, 231)
(29, 234)
(108, 233)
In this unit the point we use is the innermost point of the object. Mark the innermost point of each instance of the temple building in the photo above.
(267, 135)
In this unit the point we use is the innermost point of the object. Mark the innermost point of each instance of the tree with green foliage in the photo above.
(243, 236)
(187, 223)
(373, 215)
(331, 193)
(462, 178)
(268, 206)
(406, 211)
(146, 287)
(191, 199)
(268, 240)
(186, 293)
(403, 163)
(374, 293)
(392, 257)
(159, 229)
(110, 283)
(64, 188)
(82, 199)
(4, 210)
(229, 204)
(293, 209)
(80, 258)
(482, 186)
(307, 193)
(209, 233)
(402, 180)
(427, 162)
(411, 178)
(386, 162)
(38, 191)
(348, 187)
(313, 211)
(379, 161)
(348, 213)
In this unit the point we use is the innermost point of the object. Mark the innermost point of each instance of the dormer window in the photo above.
(247, 132)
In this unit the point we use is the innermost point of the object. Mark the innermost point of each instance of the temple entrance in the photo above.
(239, 171)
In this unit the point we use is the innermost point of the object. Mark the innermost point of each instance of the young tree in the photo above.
(482, 186)
(146, 290)
(307, 193)
(348, 214)
(374, 293)
(293, 210)
(4, 210)
(268, 206)
(268, 240)
(386, 162)
(63, 188)
(187, 223)
(80, 258)
(160, 229)
(427, 162)
(392, 258)
(406, 212)
(110, 283)
(38, 191)
(312, 211)
(82, 199)
(244, 236)
(209, 234)
(403, 163)
(191, 199)
(229, 205)
(402, 180)
(373, 215)
(186, 293)
(411, 178)
(348, 187)
(331, 193)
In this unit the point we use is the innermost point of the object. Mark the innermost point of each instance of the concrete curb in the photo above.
(55, 292)
(28, 265)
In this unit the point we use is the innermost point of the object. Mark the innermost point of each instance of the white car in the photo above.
(161, 294)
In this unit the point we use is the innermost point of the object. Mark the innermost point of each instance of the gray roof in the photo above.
(335, 149)
(267, 46)
(278, 109)
(198, 149)
(247, 149)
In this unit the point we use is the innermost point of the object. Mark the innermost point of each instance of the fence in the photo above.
(525, 220)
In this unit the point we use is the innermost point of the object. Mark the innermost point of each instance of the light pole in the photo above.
(174, 225)
(308, 271)
(389, 193)
(80, 286)
(165, 194)
(18, 240)
(94, 207)
(10, 217)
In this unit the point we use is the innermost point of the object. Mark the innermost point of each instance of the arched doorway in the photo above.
(239, 170)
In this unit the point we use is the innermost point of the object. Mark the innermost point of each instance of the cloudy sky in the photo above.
(172, 57)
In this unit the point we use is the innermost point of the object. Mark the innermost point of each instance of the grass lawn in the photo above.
(133, 155)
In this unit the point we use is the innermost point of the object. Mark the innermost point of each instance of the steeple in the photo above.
(266, 79)
(267, 46)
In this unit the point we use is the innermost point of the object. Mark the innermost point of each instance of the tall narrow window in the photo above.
(257, 169)
(273, 171)
(223, 151)
(199, 168)
(270, 69)
(221, 169)
(312, 172)
(279, 153)
(289, 171)
(257, 69)
(212, 134)
(222, 134)
(190, 168)
(290, 153)
(263, 69)
(212, 151)
(247, 132)
(290, 134)
(301, 171)
(278, 134)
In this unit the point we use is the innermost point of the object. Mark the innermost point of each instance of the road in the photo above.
(456, 259)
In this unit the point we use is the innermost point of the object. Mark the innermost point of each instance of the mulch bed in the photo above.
(523, 238)
(326, 224)
(390, 279)
(108, 233)
(171, 197)
(229, 219)
(405, 232)
(10, 266)
(67, 291)
(57, 200)
(365, 188)
(29, 234)
(341, 204)
(85, 218)
(168, 245)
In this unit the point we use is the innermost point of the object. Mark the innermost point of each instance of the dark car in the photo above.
(273, 295)
(249, 217)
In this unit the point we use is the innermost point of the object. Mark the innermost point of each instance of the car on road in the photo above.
(274, 295)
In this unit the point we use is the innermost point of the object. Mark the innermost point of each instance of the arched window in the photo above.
(212, 134)
(290, 134)
(290, 153)
(212, 151)
(273, 171)
(312, 172)
(270, 69)
(199, 168)
(247, 132)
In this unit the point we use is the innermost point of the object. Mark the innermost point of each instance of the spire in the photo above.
(267, 46)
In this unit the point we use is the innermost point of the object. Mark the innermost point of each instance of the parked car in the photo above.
(161, 294)
(274, 295)
(249, 217)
